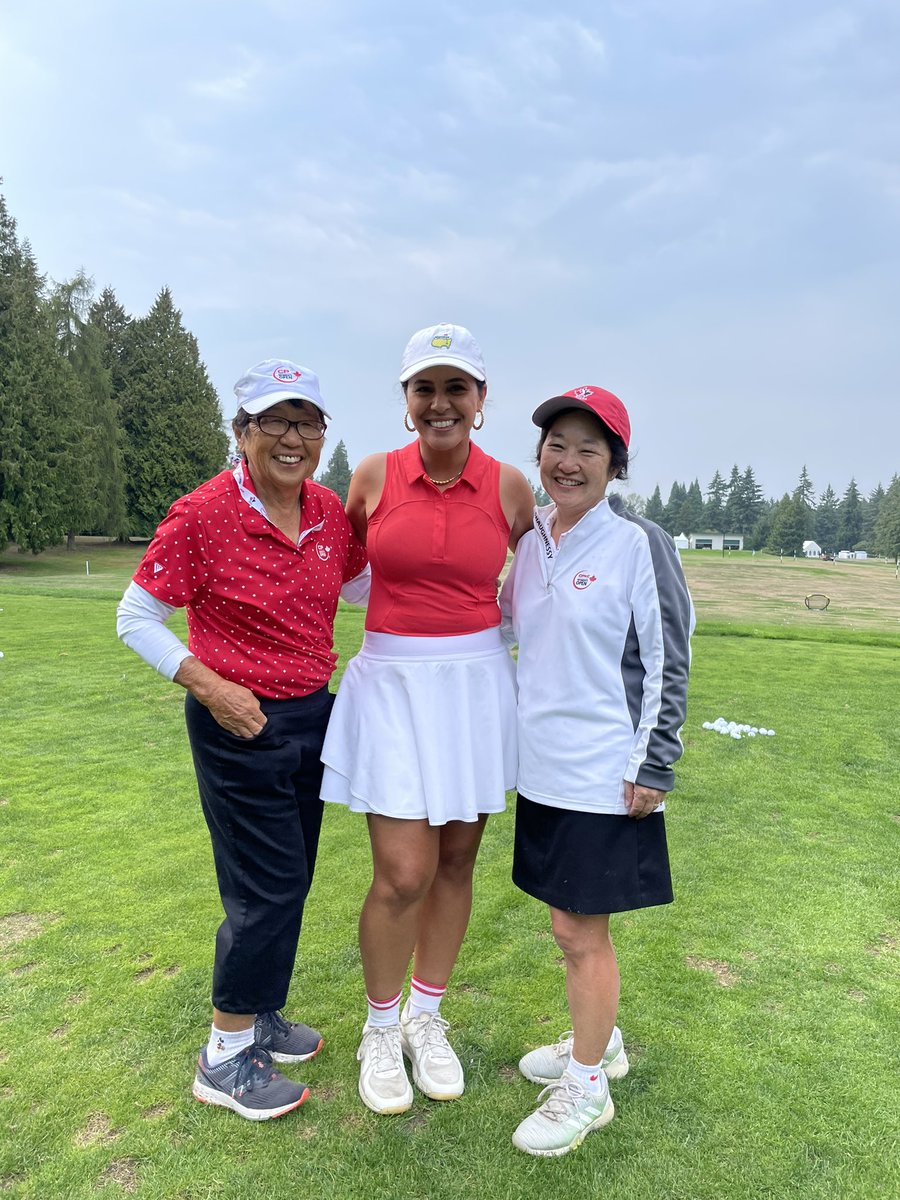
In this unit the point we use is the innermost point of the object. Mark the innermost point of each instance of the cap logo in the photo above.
(286, 375)
(582, 580)
(582, 393)
(441, 343)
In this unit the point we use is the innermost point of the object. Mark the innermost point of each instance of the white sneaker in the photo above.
(548, 1063)
(436, 1070)
(564, 1119)
(383, 1085)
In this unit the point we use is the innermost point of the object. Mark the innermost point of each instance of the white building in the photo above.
(812, 549)
(852, 554)
(682, 541)
(717, 541)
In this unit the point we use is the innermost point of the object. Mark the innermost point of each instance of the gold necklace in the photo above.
(441, 482)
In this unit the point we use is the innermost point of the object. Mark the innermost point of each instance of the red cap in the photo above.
(596, 400)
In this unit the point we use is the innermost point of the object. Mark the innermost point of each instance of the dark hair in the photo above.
(617, 448)
(242, 419)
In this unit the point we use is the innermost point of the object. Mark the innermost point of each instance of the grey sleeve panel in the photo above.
(664, 746)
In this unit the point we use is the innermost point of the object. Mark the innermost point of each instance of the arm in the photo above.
(365, 491)
(669, 618)
(517, 502)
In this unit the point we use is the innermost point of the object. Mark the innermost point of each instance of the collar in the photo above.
(473, 471)
(249, 496)
(546, 515)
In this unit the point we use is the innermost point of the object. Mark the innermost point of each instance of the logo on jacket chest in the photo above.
(582, 580)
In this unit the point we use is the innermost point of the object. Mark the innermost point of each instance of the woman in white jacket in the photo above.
(598, 604)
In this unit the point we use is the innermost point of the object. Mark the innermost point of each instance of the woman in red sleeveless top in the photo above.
(422, 737)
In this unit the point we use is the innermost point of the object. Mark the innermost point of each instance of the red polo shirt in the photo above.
(260, 609)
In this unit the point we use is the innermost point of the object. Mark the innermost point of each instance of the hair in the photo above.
(242, 418)
(617, 448)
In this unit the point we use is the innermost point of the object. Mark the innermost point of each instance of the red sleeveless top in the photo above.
(436, 556)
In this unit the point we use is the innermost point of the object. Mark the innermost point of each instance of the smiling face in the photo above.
(442, 403)
(576, 466)
(279, 465)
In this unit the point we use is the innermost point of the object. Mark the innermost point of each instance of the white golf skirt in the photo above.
(424, 728)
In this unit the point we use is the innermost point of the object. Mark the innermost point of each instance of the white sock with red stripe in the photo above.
(424, 997)
(591, 1079)
(384, 1012)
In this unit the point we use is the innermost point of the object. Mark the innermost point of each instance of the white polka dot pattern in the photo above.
(260, 610)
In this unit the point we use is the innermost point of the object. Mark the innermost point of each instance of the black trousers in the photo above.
(261, 801)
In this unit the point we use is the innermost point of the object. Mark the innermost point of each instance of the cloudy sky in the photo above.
(693, 203)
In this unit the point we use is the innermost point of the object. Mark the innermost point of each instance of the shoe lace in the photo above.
(564, 1045)
(563, 1097)
(386, 1043)
(431, 1034)
(254, 1067)
(274, 1023)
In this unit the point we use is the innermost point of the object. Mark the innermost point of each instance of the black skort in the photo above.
(590, 863)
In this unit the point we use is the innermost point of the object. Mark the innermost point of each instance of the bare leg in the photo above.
(232, 1022)
(445, 913)
(405, 858)
(592, 980)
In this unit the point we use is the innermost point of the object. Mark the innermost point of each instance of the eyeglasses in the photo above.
(310, 431)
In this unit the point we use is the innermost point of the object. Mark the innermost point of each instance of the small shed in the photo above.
(682, 541)
(812, 549)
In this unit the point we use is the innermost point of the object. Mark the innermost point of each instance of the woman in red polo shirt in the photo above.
(257, 556)
(422, 738)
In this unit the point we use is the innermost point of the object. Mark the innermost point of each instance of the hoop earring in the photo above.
(406, 425)
(480, 413)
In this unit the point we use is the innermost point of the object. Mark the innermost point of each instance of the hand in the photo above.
(642, 801)
(233, 706)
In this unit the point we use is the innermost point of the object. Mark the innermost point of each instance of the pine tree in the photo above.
(803, 496)
(540, 496)
(672, 511)
(788, 531)
(751, 503)
(634, 502)
(732, 515)
(337, 474)
(826, 524)
(887, 530)
(871, 510)
(714, 513)
(654, 510)
(170, 414)
(804, 489)
(690, 518)
(849, 518)
(33, 416)
(94, 479)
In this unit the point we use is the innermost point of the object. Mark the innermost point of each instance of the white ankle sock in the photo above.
(384, 1012)
(591, 1078)
(424, 997)
(224, 1044)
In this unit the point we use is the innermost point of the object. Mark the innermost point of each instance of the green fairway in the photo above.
(759, 1011)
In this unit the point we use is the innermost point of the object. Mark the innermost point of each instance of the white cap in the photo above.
(442, 346)
(277, 379)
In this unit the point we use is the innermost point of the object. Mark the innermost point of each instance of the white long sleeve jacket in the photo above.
(603, 622)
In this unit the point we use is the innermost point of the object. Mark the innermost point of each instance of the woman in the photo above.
(258, 557)
(602, 615)
(422, 738)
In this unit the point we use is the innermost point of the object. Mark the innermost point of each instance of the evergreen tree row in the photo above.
(107, 418)
(737, 506)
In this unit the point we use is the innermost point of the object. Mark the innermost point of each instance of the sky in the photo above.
(693, 204)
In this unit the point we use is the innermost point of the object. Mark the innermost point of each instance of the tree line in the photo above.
(106, 417)
(737, 506)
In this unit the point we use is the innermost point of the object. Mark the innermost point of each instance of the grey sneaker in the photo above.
(287, 1041)
(383, 1085)
(248, 1084)
(563, 1120)
(436, 1070)
(548, 1063)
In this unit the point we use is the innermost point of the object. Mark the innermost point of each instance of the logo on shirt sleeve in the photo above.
(323, 551)
(157, 567)
(582, 580)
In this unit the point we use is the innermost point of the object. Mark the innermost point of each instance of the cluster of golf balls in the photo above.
(733, 729)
